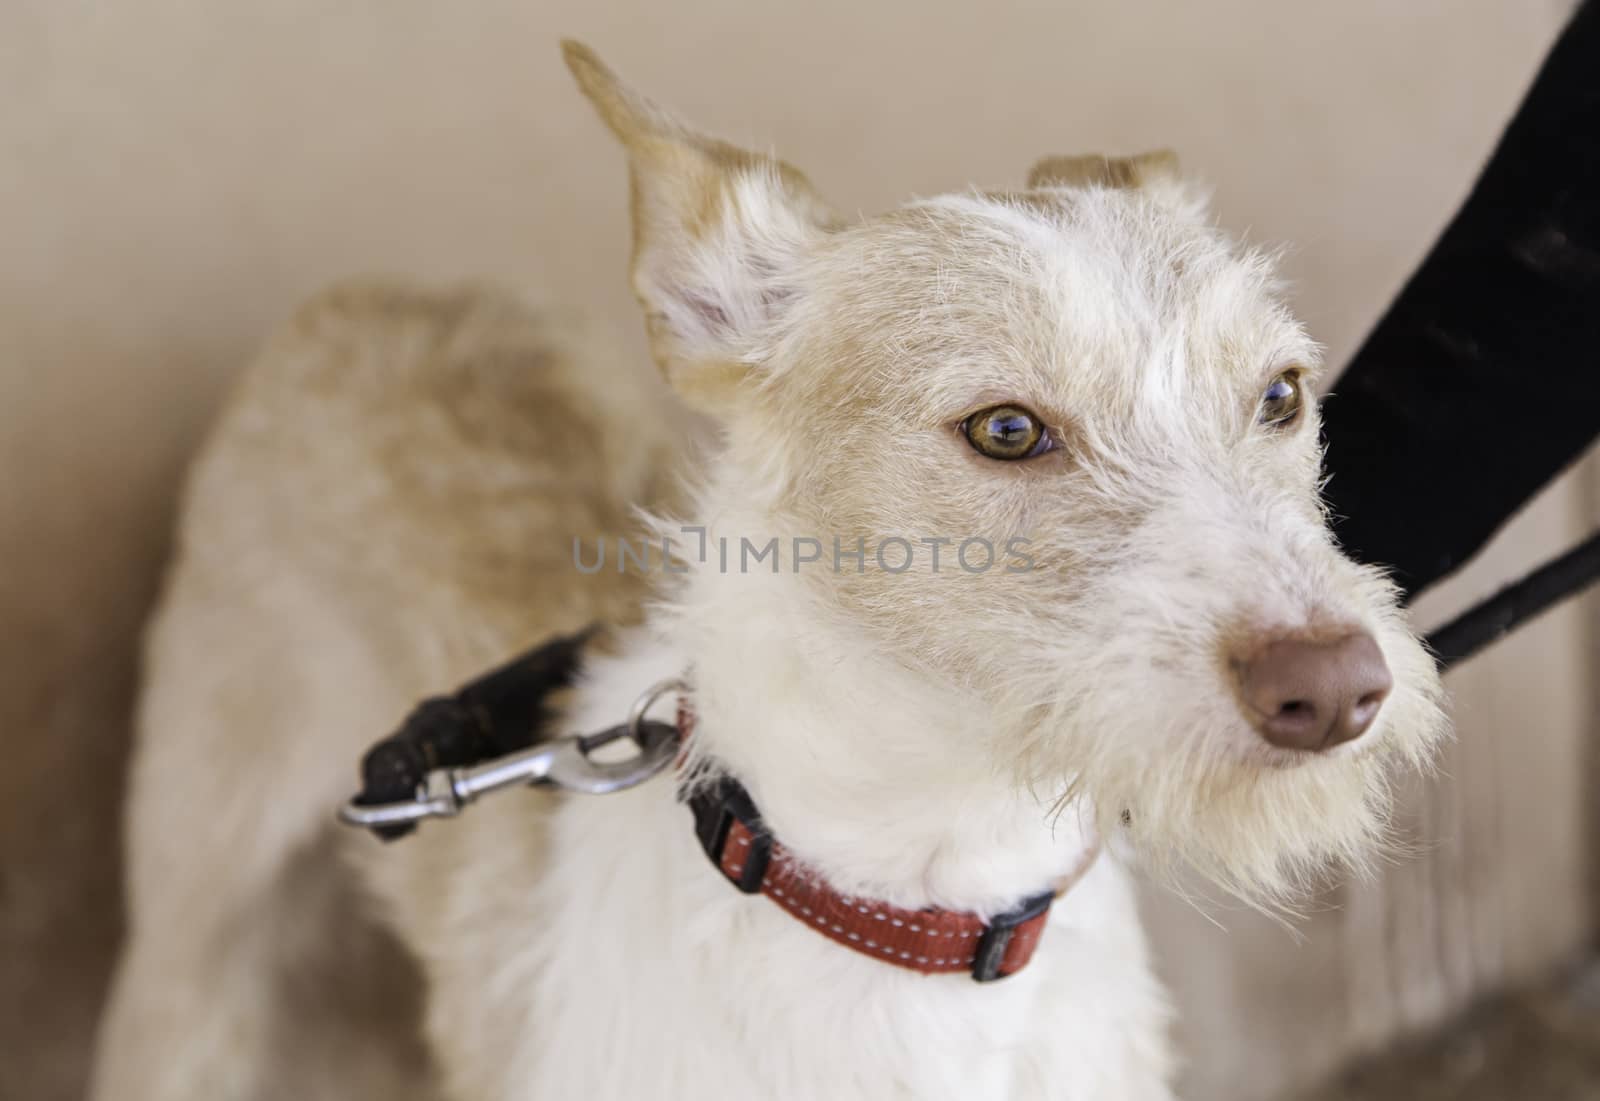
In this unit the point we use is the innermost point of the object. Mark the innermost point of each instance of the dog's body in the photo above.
(390, 507)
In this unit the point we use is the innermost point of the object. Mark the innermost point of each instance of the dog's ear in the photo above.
(717, 235)
(1160, 166)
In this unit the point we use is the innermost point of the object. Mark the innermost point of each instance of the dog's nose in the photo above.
(1315, 695)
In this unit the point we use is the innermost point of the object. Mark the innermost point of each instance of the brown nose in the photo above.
(1314, 695)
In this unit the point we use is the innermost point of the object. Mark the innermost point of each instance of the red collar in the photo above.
(731, 831)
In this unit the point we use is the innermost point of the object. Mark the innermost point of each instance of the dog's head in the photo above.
(1076, 426)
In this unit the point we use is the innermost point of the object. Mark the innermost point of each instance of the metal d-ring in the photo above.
(647, 699)
(575, 770)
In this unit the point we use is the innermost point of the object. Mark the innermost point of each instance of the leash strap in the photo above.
(1505, 611)
(496, 714)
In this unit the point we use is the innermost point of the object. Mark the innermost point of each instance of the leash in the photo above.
(1492, 619)
(489, 735)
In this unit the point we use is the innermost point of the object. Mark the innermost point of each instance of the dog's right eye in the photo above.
(1280, 404)
(1006, 432)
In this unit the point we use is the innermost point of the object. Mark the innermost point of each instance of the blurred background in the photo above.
(176, 175)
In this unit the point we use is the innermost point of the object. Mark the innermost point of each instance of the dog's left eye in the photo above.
(1006, 432)
(1281, 403)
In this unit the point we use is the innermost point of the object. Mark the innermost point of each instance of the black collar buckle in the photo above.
(996, 938)
(716, 806)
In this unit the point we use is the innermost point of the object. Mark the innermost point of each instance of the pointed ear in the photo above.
(1160, 166)
(718, 233)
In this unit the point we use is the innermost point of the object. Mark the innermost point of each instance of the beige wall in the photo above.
(174, 175)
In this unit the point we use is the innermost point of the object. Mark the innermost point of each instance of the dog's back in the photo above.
(387, 506)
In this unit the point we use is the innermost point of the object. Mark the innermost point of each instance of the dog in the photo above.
(1004, 548)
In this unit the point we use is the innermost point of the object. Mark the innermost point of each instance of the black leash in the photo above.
(496, 714)
(1505, 611)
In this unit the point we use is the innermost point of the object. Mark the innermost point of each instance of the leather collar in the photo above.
(932, 941)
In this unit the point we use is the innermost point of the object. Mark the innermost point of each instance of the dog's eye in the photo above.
(1281, 402)
(1006, 432)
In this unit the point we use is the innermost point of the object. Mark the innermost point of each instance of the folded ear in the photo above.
(718, 234)
(1160, 166)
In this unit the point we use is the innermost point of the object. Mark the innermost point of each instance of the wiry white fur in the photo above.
(925, 738)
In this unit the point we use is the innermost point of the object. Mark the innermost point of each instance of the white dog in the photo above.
(1010, 541)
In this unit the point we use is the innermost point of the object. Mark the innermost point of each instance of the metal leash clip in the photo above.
(565, 764)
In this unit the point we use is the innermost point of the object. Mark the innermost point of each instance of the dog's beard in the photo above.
(1167, 767)
(1264, 834)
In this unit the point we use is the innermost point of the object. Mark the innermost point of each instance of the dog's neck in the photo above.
(873, 774)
